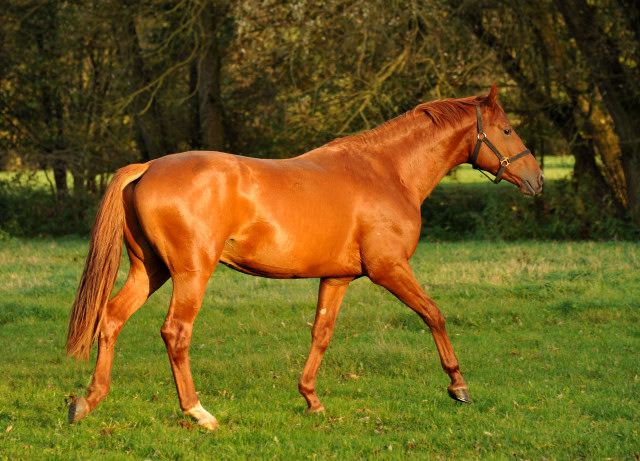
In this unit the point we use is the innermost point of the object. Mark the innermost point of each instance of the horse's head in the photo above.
(499, 150)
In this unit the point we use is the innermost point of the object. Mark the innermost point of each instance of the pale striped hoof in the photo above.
(204, 418)
(212, 425)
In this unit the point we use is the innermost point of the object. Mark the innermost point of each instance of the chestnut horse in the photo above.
(348, 209)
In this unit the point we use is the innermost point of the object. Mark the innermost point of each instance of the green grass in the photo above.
(42, 178)
(547, 335)
(554, 168)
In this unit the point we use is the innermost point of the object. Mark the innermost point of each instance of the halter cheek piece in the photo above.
(504, 161)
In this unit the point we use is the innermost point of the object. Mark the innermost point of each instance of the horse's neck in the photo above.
(430, 154)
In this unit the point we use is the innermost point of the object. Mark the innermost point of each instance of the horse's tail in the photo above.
(101, 267)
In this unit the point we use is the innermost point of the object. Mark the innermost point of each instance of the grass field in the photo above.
(554, 168)
(548, 336)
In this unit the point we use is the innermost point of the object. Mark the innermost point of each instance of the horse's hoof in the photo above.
(461, 394)
(78, 409)
(318, 409)
(204, 418)
(211, 424)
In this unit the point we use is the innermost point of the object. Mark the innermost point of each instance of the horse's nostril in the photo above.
(541, 179)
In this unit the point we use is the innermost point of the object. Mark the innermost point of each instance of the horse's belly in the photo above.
(267, 251)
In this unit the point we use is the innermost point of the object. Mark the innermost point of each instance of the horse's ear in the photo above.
(492, 97)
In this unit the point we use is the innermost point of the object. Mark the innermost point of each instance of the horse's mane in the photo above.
(448, 111)
(442, 112)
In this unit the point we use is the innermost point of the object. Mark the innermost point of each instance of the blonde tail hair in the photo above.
(101, 267)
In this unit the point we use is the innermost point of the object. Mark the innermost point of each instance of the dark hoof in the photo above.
(78, 410)
(461, 395)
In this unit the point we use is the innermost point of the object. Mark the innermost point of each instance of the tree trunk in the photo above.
(195, 137)
(209, 99)
(45, 39)
(60, 178)
(151, 137)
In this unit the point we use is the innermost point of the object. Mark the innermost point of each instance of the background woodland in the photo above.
(88, 86)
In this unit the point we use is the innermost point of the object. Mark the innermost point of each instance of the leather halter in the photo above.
(504, 161)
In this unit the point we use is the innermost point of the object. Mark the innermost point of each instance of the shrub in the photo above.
(562, 212)
(29, 211)
(452, 212)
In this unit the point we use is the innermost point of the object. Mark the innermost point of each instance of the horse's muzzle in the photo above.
(532, 187)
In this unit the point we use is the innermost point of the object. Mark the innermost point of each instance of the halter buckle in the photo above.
(505, 162)
(482, 136)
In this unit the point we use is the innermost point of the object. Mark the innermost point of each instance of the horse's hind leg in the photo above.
(145, 277)
(147, 273)
(188, 291)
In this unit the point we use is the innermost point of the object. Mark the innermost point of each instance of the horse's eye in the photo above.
(507, 131)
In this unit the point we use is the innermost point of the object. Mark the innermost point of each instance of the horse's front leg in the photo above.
(398, 278)
(330, 297)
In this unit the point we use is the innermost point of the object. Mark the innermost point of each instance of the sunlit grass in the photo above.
(547, 335)
(554, 168)
(42, 178)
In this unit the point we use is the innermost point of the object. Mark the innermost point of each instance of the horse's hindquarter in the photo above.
(292, 218)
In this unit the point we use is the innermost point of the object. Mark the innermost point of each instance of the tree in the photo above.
(209, 70)
(162, 46)
(607, 36)
(275, 79)
(139, 99)
(530, 41)
(54, 89)
(321, 69)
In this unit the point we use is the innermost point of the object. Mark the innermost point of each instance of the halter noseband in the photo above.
(504, 161)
